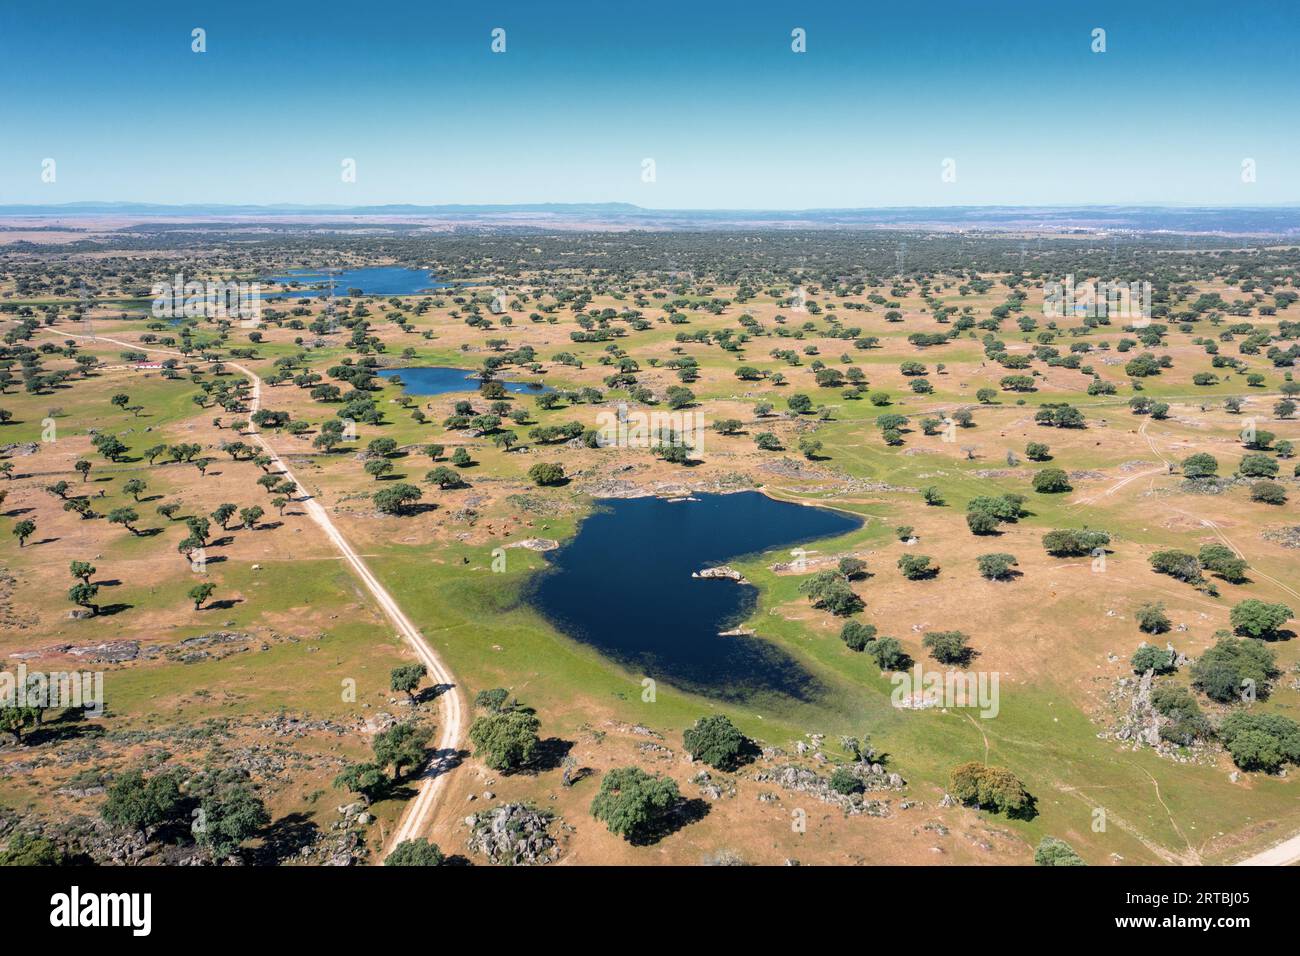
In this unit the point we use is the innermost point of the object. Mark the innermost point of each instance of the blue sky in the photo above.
(712, 92)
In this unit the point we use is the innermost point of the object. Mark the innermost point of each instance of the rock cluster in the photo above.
(536, 544)
(110, 652)
(1142, 724)
(82, 837)
(801, 780)
(724, 573)
(620, 488)
(1210, 485)
(513, 834)
(286, 725)
(714, 788)
(192, 647)
(345, 849)
(1287, 537)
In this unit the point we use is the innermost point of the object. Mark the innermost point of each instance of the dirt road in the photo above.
(451, 728)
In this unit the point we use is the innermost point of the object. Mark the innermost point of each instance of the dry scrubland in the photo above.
(265, 690)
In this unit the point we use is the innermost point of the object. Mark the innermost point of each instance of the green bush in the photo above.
(1054, 852)
(716, 741)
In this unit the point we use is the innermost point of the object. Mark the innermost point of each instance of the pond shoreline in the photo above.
(656, 613)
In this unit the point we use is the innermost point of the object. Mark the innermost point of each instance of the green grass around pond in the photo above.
(490, 637)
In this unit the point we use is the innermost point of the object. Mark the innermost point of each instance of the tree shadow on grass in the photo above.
(581, 773)
(881, 757)
(1028, 812)
(223, 605)
(60, 730)
(963, 659)
(549, 755)
(903, 663)
(749, 752)
(285, 838)
(683, 814)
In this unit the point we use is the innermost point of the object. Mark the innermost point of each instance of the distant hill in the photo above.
(1247, 220)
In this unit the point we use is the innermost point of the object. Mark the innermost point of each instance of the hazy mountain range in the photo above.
(1268, 220)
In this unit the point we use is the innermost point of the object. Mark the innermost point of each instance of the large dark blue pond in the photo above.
(437, 379)
(371, 280)
(623, 585)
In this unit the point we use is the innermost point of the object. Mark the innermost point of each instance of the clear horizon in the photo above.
(733, 119)
(507, 204)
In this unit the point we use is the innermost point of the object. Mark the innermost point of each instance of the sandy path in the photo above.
(1284, 854)
(415, 819)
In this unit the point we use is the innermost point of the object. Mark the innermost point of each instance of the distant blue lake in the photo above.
(371, 280)
(623, 585)
(438, 379)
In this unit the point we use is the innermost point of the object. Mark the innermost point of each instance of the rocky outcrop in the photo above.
(610, 487)
(714, 787)
(346, 849)
(110, 652)
(1287, 537)
(208, 646)
(802, 780)
(1142, 724)
(723, 572)
(513, 834)
(536, 544)
(82, 837)
(738, 632)
(287, 725)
